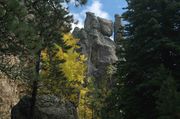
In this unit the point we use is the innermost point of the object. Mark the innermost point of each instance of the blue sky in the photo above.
(102, 8)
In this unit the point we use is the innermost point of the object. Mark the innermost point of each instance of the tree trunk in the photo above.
(92, 113)
(35, 85)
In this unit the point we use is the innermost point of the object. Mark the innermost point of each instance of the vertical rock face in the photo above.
(96, 44)
(10, 91)
(117, 29)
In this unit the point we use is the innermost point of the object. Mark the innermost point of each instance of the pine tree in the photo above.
(50, 20)
(168, 102)
(152, 41)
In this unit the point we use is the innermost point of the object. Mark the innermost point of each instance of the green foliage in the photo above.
(93, 99)
(151, 43)
(66, 77)
(98, 92)
(29, 26)
(168, 100)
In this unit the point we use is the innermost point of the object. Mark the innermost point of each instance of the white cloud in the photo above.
(96, 7)
(79, 18)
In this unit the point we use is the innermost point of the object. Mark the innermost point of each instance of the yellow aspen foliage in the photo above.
(45, 62)
(84, 109)
(74, 67)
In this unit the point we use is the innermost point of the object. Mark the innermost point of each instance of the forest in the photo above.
(55, 71)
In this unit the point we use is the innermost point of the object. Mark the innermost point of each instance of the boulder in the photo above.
(47, 107)
(100, 24)
(106, 26)
(91, 22)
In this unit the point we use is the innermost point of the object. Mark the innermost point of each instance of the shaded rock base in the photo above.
(47, 107)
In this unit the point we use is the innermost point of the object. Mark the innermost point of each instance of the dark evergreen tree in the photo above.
(153, 33)
(168, 104)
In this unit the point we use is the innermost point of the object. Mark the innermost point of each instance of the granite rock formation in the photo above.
(118, 29)
(47, 107)
(96, 44)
